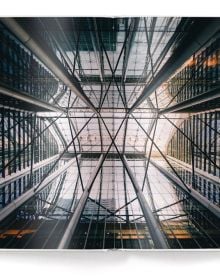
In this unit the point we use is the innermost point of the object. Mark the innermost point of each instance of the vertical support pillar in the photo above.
(155, 232)
(66, 239)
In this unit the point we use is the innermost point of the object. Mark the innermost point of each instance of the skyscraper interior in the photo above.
(109, 133)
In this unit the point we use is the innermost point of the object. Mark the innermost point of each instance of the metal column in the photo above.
(154, 228)
(35, 103)
(186, 106)
(65, 241)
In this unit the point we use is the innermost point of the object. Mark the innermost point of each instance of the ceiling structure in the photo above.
(113, 61)
(109, 106)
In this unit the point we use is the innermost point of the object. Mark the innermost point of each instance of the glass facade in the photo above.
(109, 133)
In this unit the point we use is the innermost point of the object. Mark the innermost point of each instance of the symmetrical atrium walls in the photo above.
(109, 133)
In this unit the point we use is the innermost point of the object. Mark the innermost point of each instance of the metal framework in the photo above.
(89, 164)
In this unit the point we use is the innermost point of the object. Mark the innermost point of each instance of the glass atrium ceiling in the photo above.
(114, 61)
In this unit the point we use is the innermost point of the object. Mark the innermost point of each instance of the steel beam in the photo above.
(33, 101)
(209, 177)
(97, 49)
(184, 107)
(18, 174)
(47, 57)
(130, 40)
(66, 239)
(201, 30)
(130, 79)
(194, 194)
(49, 23)
(71, 126)
(30, 193)
(58, 132)
(153, 226)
